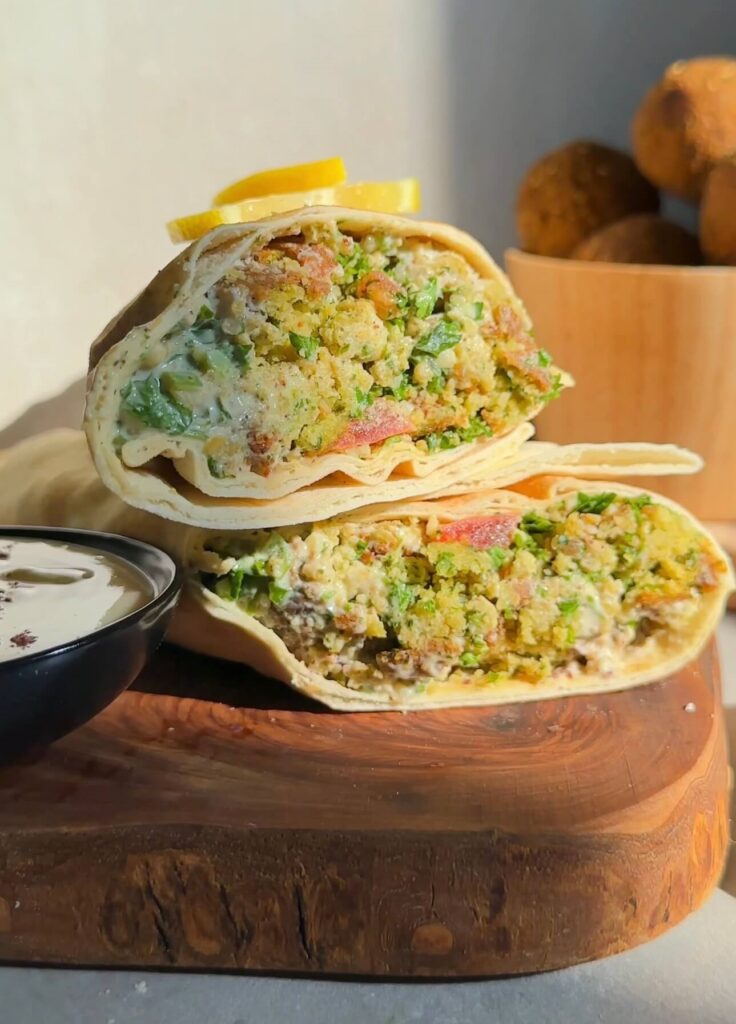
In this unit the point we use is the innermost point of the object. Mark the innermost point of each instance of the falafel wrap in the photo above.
(552, 586)
(324, 348)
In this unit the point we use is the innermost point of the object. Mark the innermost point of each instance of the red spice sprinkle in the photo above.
(24, 639)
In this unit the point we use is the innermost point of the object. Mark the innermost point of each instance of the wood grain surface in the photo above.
(653, 356)
(213, 820)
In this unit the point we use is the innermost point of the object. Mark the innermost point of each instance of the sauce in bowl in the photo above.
(53, 592)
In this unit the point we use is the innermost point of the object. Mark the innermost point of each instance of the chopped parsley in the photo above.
(568, 606)
(425, 299)
(363, 399)
(595, 504)
(304, 346)
(400, 597)
(354, 265)
(453, 437)
(216, 468)
(277, 594)
(544, 358)
(533, 522)
(446, 334)
(445, 564)
(401, 391)
(499, 557)
(555, 390)
(145, 400)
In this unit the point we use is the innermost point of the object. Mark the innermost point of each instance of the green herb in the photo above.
(638, 503)
(543, 357)
(361, 547)
(594, 503)
(569, 605)
(453, 437)
(205, 313)
(240, 354)
(571, 636)
(363, 399)
(272, 560)
(400, 596)
(224, 414)
(509, 614)
(277, 594)
(437, 384)
(216, 468)
(443, 442)
(429, 606)
(555, 390)
(424, 300)
(173, 381)
(491, 677)
(145, 400)
(401, 391)
(478, 311)
(354, 265)
(532, 522)
(446, 334)
(305, 347)
(445, 564)
(236, 578)
(476, 428)
(469, 660)
(499, 557)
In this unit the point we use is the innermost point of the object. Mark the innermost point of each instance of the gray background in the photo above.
(529, 75)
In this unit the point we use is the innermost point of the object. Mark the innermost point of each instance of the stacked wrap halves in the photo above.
(326, 417)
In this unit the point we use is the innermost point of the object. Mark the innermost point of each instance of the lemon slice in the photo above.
(401, 196)
(298, 178)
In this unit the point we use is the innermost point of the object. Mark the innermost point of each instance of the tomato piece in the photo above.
(381, 420)
(483, 532)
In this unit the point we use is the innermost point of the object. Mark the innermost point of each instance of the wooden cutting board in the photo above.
(216, 821)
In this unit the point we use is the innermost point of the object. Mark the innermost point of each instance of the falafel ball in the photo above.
(574, 191)
(686, 123)
(718, 214)
(643, 238)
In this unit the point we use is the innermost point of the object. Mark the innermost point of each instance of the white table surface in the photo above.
(687, 976)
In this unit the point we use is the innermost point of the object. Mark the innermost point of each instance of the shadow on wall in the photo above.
(527, 76)
(63, 410)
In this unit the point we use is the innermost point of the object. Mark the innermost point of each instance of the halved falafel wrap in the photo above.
(323, 345)
(552, 586)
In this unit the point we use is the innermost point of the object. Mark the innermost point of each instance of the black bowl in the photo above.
(45, 695)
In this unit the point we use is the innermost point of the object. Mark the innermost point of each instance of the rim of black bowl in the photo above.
(116, 545)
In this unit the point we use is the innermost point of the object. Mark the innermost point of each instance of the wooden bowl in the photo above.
(653, 353)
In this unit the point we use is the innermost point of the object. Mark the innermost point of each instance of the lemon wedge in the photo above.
(401, 196)
(277, 181)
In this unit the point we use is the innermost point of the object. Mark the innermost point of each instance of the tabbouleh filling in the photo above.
(406, 602)
(323, 342)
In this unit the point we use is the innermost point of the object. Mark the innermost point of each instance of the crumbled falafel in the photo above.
(643, 238)
(686, 123)
(718, 214)
(575, 190)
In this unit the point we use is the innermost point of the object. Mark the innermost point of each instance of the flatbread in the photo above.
(176, 483)
(50, 480)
